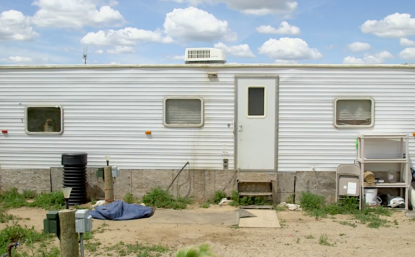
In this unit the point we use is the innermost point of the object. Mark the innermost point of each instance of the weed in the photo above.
(48, 201)
(92, 247)
(346, 223)
(4, 218)
(235, 199)
(141, 250)
(249, 200)
(309, 237)
(396, 222)
(160, 198)
(129, 198)
(342, 234)
(205, 205)
(93, 201)
(12, 199)
(298, 240)
(324, 240)
(280, 208)
(29, 194)
(202, 250)
(219, 195)
(290, 199)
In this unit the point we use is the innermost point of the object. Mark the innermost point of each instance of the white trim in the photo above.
(372, 114)
(42, 133)
(247, 103)
(202, 110)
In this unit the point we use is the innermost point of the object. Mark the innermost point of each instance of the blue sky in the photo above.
(158, 31)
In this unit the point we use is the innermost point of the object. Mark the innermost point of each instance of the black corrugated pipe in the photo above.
(74, 176)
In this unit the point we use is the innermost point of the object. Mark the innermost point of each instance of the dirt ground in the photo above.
(290, 240)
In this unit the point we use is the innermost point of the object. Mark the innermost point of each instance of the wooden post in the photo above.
(68, 237)
(109, 184)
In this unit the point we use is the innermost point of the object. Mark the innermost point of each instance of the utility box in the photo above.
(51, 223)
(115, 172)
(100, 173)
(83, 221)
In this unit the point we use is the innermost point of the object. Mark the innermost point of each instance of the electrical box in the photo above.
(51, 223)
(115, 172)
(100, 173)
(83, 221)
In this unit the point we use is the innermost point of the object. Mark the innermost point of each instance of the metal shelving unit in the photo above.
(404, 183)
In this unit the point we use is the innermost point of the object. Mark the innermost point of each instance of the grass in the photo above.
(47, 201)
(315, 205)
(219, 195)
(280, 208)
(93, 201)
(235, 199)
(123, 249)
(246, 200)
(346, 223)
(160, 198)
(29, 194)
(298, 240)
(323, 240)
(309, 237)
(290, 199)
(203, 250)
(92, 247)
(129, 198)
(205, 205)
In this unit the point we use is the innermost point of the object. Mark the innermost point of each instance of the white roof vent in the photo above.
(204, 55)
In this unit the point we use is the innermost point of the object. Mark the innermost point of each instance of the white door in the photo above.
(256, 123)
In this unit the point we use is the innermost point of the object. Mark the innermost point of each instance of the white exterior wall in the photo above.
(113, 107)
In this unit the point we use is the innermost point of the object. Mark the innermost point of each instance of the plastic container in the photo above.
(371, 197)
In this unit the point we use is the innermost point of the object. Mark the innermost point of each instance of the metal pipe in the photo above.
(82, 244)
(67, 203)
(178, 175)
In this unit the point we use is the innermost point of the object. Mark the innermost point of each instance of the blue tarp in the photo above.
(120, 210)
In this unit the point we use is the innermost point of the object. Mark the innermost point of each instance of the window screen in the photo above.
(256, 101)
(183, 112)
(44, 119)
(351, 112)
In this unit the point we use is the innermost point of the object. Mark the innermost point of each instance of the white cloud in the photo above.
(408, 53)
(17, 59)
(375, 58)
(114, 63)
(242, 51)
(284, 28)
(358, 46)
(99, 51)
(75, 14)
(289, 49)
(126, 36)
(176, 57)
(121, 50)
(192, 24)
(285, 61)
(407, 42)
(257, 7)
(15, 26)
(393, 26)
(353, 60)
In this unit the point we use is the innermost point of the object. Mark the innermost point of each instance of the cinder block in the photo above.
(123, 184)
(198, 191)
(316, 182)
(183, 184)
(225, 178)
(26, 179)
(285, 182)
(56, 177)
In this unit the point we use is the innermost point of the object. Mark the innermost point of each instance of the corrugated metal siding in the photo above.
(108, 110)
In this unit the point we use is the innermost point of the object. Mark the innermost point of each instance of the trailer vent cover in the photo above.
(204, 55)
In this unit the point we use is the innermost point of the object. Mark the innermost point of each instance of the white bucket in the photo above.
(371, 197)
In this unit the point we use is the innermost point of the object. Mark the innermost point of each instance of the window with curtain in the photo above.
(354, 113)
(183, 112)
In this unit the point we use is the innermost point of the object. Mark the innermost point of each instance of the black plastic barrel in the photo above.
(74, 175)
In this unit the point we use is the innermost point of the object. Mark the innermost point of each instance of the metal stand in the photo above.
(67, 203)
(82, 244)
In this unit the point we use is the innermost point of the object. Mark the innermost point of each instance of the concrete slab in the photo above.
(263, 219)
(164, 216)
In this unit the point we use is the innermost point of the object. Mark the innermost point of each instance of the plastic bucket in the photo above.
(371, 197)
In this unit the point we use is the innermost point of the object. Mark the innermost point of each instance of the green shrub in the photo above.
(29, 194)
(12, 199)
(203, 250)
(129, 198)
(219, 195)
(160, 198)
(49, 201)
(235, 199)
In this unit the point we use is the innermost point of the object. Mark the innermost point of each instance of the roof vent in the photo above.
(204, 55)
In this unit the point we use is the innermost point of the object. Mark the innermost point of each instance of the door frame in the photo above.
(235, 126)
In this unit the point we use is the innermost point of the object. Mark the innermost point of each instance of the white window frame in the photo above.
(372, 115)
(202, 110)
(265, 103)
(39, 106)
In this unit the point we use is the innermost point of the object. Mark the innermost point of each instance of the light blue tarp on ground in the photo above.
(120, 210)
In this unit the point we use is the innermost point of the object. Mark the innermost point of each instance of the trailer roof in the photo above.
(215, 66)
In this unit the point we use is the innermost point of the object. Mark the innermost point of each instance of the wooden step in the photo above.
(255, 193)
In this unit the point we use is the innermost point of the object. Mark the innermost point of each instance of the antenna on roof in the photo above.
(85, 53)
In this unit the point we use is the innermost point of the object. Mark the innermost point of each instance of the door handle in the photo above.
(240, 128)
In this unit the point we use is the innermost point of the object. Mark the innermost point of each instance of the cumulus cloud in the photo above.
(289, 49)
(15, 26)
(375, 58)
(242, 51)
(392, 26)
(284, 28)
(75, 14)
(358, 46)
(257, 7)
(193, 24)
(407, 42)
(99, 51)
(121, 50)
(126, 36)
(408, 53)
(17, 59)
